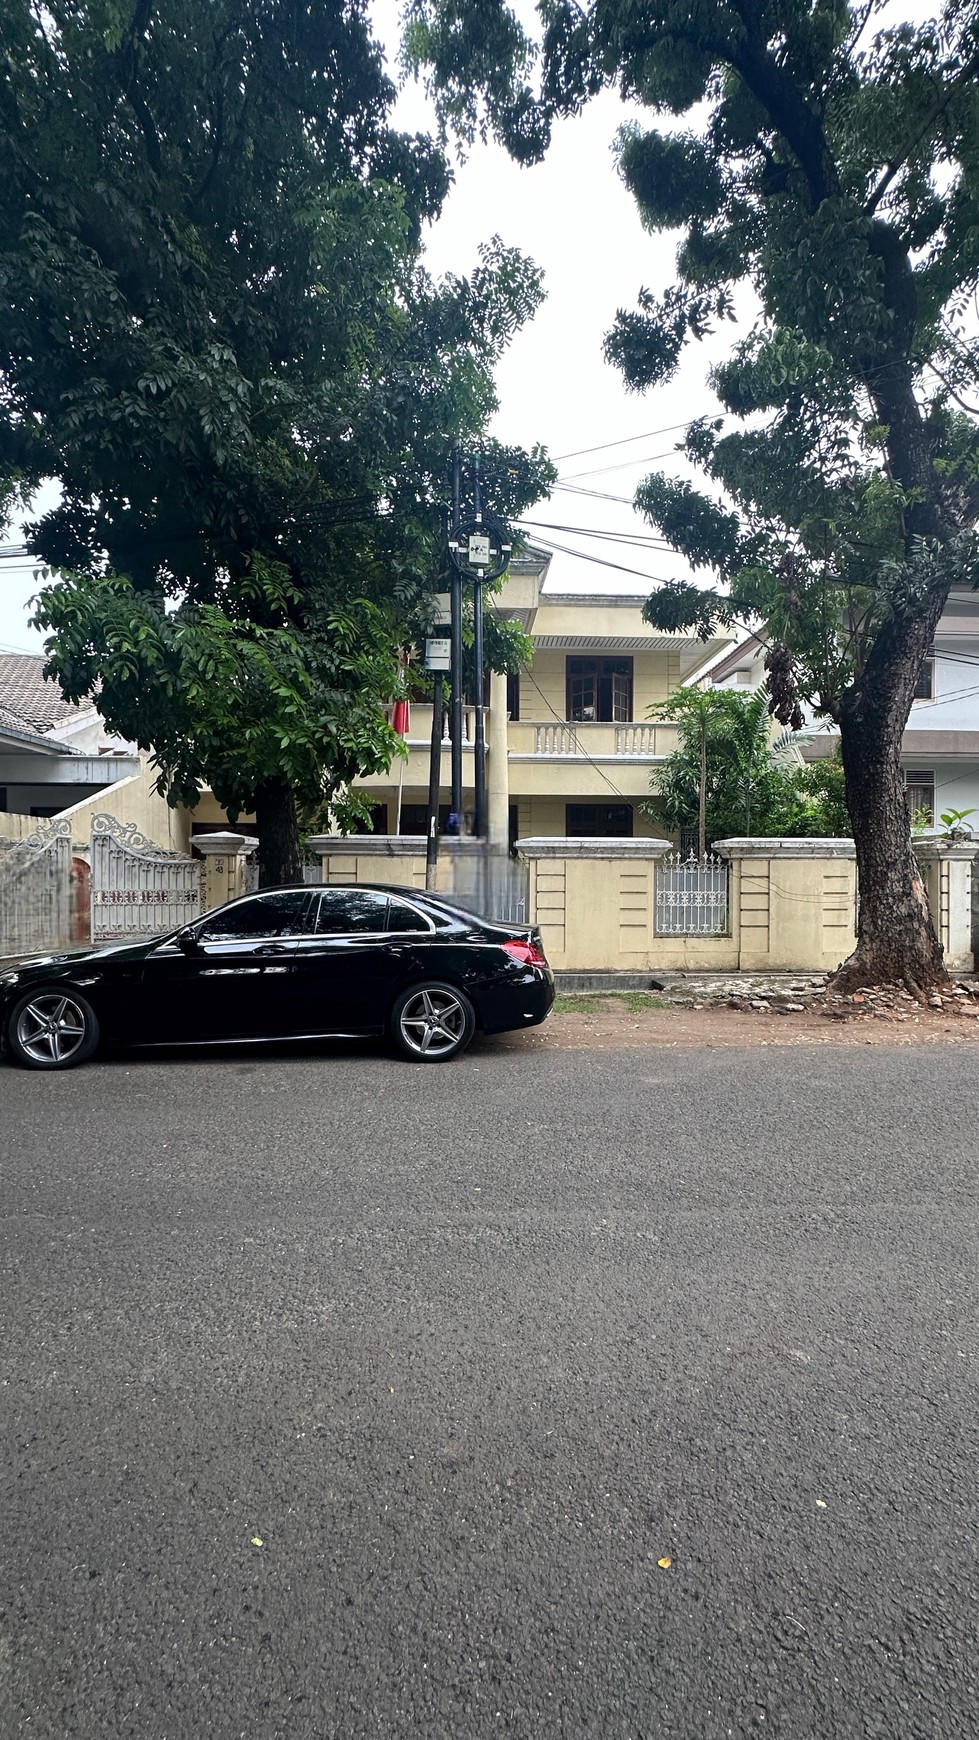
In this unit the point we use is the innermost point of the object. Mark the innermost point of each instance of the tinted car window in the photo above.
(266, 915)
(343, 911)
(402, 917)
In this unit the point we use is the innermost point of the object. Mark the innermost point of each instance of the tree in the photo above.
(730, 777)
(836, 175)
(218, 338)
(725, 776)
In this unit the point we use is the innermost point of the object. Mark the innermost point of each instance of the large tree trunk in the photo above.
(896, 941)
(280, 858)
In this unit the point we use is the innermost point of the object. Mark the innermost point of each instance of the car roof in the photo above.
(398, 889)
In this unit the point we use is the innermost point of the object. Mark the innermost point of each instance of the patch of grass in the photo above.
(586, 1002)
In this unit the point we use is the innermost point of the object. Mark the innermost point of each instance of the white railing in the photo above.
(138, 888)
(590, 738)
(556, 740)
(35, 890)
(692, 896)
(635, 740)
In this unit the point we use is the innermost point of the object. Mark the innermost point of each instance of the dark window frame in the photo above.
(924, 688)
(603, 675)
(601, 812)
(920, 779)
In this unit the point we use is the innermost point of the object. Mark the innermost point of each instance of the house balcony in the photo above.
(549, 756)
(560, 740)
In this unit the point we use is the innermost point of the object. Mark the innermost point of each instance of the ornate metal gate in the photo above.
(139, 889)
(35, 890)
(692, 895)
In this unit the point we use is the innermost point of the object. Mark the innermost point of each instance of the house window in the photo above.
(924, 688)
(599, 689)
(598, 821)
(414, 819)
(920, 790)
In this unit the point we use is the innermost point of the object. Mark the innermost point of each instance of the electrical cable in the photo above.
(603, 446)
(650, 459)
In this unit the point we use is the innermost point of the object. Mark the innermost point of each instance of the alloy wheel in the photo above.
(51, 1028)
(433, 1023)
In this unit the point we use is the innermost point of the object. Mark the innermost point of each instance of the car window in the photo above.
(346, 911)
(280, 914)
(402, 917)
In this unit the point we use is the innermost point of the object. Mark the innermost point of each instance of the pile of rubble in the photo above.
(885, 1002)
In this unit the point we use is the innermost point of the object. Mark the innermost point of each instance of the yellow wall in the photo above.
(131, 800)
(543, 688)
(789, 913)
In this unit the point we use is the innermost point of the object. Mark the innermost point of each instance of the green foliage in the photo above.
(219, 339)
(835, 175)
(753, 787)
(671, 177)
(956, 824)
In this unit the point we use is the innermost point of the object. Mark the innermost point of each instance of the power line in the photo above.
(595, 494)
(640, 540)
(650, 459)
(603, 446)
(600, 562)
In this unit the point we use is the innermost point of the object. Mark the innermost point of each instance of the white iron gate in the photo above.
(139, 889)
(35, 890)
(692, 895)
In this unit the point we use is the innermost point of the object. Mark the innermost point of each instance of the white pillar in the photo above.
(497, 766)
(224, 866)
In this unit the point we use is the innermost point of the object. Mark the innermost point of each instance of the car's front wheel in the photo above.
(432, 1022)
(52, 1028)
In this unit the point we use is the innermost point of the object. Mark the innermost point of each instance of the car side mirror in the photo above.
(187, 941)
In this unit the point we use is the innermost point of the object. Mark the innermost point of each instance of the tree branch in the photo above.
(934, 114)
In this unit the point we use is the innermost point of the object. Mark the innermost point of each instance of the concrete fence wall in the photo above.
(792, 903)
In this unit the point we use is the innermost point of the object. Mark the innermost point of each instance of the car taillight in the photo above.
(527, 953)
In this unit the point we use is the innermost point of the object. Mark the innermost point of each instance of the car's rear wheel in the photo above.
(52, 1028)
(432, 1022)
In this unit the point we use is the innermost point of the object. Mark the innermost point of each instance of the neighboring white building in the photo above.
(53, 753)
(940, 753)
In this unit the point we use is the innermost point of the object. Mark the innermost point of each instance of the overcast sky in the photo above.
(573, 216)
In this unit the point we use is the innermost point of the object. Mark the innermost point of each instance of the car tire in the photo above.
(52, 1027)
(432, 1022)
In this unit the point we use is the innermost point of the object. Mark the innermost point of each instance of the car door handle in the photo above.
(270, 949)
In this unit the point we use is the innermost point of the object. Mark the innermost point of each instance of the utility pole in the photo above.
(479, 547)
(455, 635)
(434, 772)
(437, 659)
(479, 756)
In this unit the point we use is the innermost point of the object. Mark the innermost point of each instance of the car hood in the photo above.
(81, 957)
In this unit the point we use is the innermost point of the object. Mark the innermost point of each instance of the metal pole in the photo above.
(434, 779)
(455, 631)
(479, 747)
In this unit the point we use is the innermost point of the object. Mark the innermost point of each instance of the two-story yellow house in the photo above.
(570, 745)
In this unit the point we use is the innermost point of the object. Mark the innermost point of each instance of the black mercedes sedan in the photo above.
(288, 963)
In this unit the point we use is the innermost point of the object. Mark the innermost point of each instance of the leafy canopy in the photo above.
(754, 785)
(218, 338)
(834, 173)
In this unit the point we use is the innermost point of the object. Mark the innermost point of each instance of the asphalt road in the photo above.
(349, 1398)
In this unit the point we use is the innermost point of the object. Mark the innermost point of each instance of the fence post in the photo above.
(947, 868)
(224, 866)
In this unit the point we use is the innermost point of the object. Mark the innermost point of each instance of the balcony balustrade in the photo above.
(560, 740)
